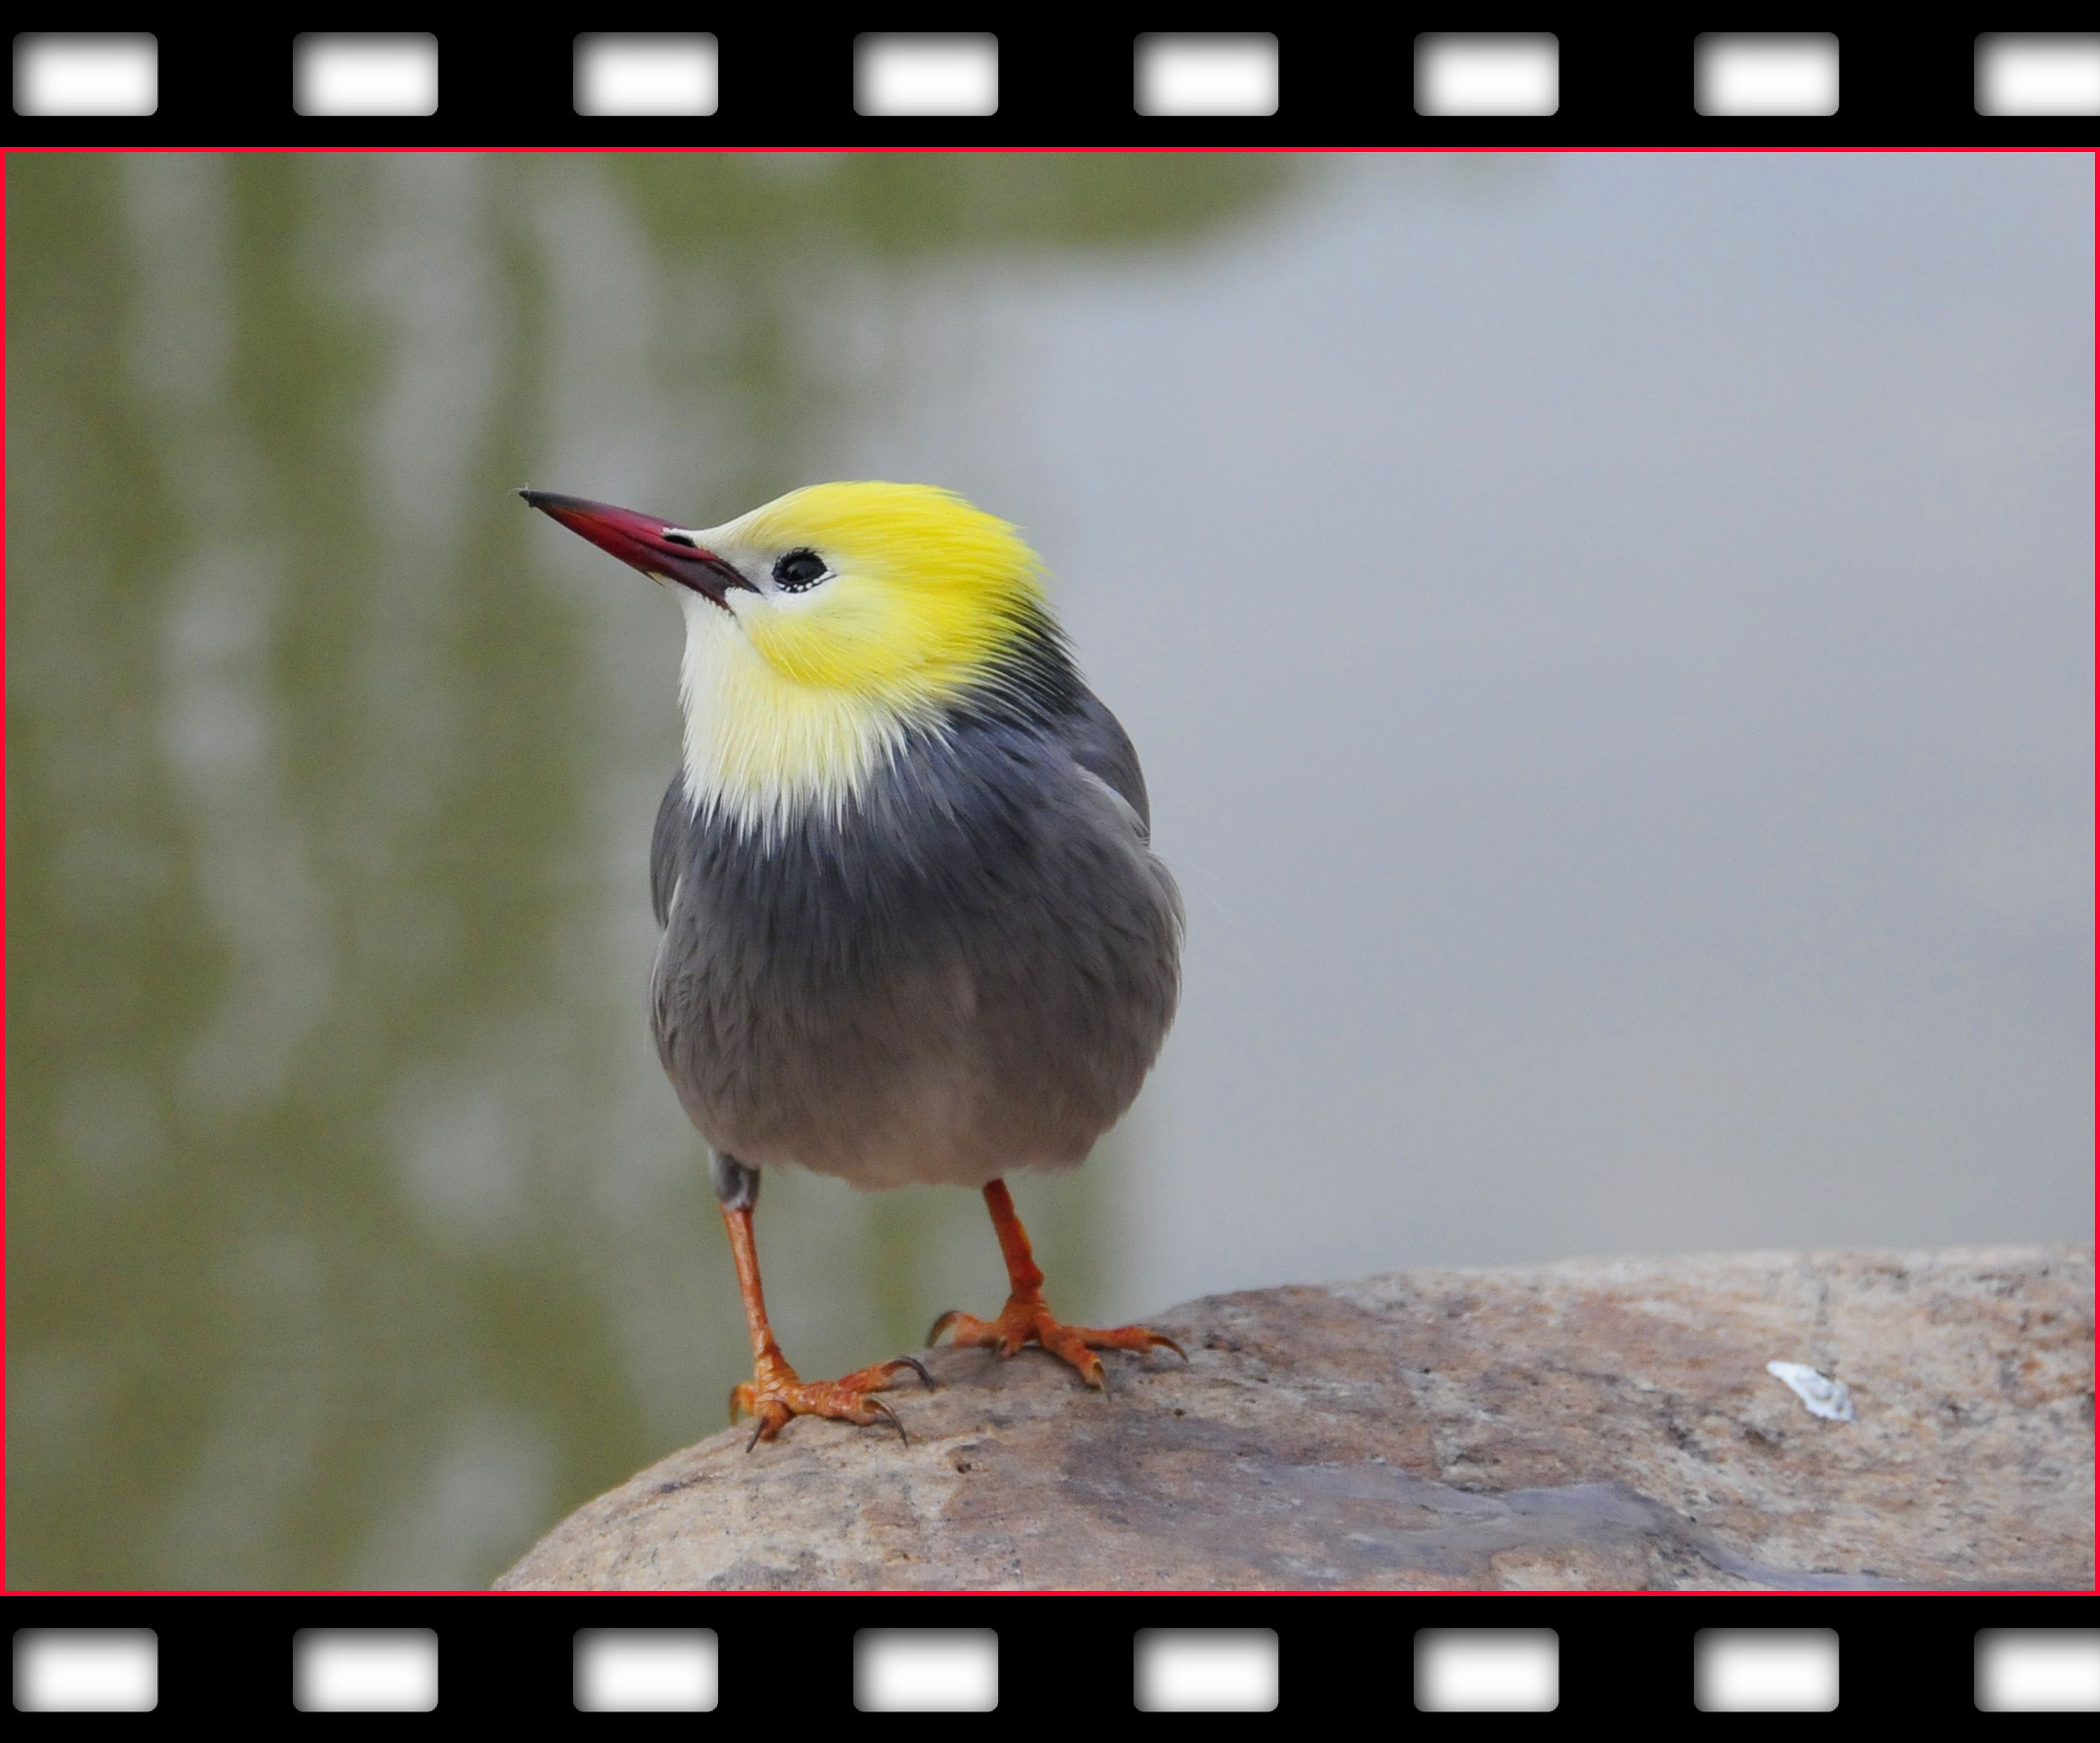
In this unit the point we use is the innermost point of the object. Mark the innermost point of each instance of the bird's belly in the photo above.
(978, 1051)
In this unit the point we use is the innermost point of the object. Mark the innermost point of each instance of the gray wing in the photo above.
(1097, 742)
(664, 840)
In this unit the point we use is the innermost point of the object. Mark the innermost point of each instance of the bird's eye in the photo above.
(798, 570)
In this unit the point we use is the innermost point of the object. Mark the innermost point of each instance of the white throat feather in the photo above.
(760, 749)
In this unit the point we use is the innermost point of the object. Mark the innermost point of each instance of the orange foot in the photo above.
(1028, 1322)
(775, 1395)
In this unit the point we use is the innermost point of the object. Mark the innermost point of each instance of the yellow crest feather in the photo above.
(927, 591)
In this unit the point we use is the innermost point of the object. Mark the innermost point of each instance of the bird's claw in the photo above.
(1027, 1320)
(876, 1404)
(919, 1368)
(776, 1396)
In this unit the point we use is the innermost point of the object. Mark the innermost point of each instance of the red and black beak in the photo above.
(649, 545)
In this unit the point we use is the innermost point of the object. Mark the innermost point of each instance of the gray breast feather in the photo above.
(971, 971)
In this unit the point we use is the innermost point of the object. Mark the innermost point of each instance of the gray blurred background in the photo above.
(1610, 639)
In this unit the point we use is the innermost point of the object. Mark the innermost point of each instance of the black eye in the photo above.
(798, 570)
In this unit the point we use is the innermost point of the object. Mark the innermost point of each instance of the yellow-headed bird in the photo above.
(913, 927)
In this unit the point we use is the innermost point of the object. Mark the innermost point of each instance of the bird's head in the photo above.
(825, 624)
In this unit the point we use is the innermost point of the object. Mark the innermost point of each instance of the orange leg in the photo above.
(1025, 1319)
(774, 1393)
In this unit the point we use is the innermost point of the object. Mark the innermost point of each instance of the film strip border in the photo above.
(1333, 1658)
(785, 83)
(778, 81)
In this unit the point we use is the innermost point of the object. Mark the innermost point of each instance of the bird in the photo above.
(912, 926)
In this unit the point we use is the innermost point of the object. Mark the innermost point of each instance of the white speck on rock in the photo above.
(1824, 1396)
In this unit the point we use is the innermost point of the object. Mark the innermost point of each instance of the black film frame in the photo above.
(1062, 84)
(1904, 1657)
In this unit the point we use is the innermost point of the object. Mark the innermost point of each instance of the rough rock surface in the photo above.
(1595, 1424)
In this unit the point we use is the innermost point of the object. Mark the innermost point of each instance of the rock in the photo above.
(1602, 1423)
